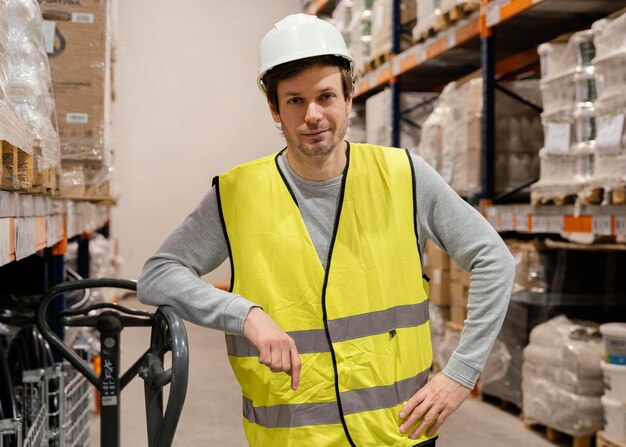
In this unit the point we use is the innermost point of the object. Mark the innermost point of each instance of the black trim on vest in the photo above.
(429, 443)
(282, 175)
(324, 287)
(414, 194)
(216, 185)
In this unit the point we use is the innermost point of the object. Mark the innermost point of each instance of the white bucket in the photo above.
(614, 335)
(614, 382)
(615, 415)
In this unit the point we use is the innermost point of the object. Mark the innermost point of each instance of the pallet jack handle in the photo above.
(168, 334)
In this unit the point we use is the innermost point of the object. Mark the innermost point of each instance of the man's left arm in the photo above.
(469, 239)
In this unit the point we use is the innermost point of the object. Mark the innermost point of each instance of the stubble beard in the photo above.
(314, 150)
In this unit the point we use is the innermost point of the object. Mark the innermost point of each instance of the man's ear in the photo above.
(275, 114)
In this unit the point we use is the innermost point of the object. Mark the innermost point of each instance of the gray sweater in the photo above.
(172, 275)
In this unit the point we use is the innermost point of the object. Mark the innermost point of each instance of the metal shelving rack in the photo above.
(501, 38)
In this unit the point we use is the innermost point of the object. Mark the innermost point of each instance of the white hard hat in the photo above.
(299, 36)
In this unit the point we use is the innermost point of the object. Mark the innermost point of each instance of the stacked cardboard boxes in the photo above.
(437, 268)
(78, 46)
(459, 288)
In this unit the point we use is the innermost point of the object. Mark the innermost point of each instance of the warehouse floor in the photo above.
(212, 412)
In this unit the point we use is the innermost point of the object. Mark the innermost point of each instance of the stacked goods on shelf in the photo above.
(436, 266)
(513, 336)
(78, 40)
(434, 16)
(561, 378)
(614, 371)
(356, 124)
(30, 146)
(609, 176)
(554, 280)
(354, 19)
(568, 88)
(452, 138)
(378, 117)
(382, 28)
(459, 289)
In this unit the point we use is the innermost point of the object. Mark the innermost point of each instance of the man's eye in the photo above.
(327, 96)
(294, 101)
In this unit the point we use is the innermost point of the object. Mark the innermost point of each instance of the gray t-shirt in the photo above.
(172, 275)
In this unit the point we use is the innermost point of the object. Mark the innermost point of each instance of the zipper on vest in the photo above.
(324, 287)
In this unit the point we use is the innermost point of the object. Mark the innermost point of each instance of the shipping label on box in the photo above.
(78, 55)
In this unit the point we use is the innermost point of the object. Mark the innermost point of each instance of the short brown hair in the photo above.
(290, 69)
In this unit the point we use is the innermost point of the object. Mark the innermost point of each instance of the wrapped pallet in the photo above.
(452, 141)
(78, 39)
(378, 117)
(26, 89)
(609, 175)
(382, 25)
(568, 87)
(561, 377)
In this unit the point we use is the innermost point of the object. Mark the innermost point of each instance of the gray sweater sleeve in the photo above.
(173, 275)
(456, 227)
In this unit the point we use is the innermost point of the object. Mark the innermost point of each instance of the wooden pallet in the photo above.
(559, 200)
(8, 166)
(558, 437)
(375, 62)
(504, 405)
(449, 18)
(618, 195)
(602, 441)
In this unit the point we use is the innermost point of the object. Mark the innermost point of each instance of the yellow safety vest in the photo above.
(361, 326)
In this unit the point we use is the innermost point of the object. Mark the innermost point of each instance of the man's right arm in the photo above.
(173, 275)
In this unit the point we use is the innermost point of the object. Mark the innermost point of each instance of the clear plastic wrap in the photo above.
(431, 144)
(609, 36)
(378, 118)
(29, 85)
(561, 376)
(452, 136)
(547, 404)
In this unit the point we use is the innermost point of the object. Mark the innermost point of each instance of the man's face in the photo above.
(313, 112)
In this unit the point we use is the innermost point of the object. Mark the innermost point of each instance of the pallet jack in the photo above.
(168, 334)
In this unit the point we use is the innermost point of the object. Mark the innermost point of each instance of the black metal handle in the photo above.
(74, 359)
(168, 333)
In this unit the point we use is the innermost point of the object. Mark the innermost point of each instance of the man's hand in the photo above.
(437, 400)
(277, 350)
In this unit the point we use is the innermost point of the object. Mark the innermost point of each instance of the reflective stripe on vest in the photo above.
(341, 329)
(361, 327)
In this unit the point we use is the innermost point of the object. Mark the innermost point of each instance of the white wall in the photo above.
(187, 109)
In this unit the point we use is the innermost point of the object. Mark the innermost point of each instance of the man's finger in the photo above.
(296, 366)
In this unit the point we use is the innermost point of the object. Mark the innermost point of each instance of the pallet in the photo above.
(504, 405)
(17, 169)
(618, 195)
(375, 62)
(449, 18)
(558, 437)
(8, 166)
(567, 199)
(602, 441)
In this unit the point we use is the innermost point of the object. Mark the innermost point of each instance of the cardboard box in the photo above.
(458, 275)
(438, 285)
(76, 38)
(458, 303)
(435, 258)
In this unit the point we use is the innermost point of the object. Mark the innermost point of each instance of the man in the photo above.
(324, 240)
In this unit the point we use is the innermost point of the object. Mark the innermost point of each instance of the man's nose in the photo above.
(313, 113)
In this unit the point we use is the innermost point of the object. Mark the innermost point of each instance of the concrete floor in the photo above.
(212, 412)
